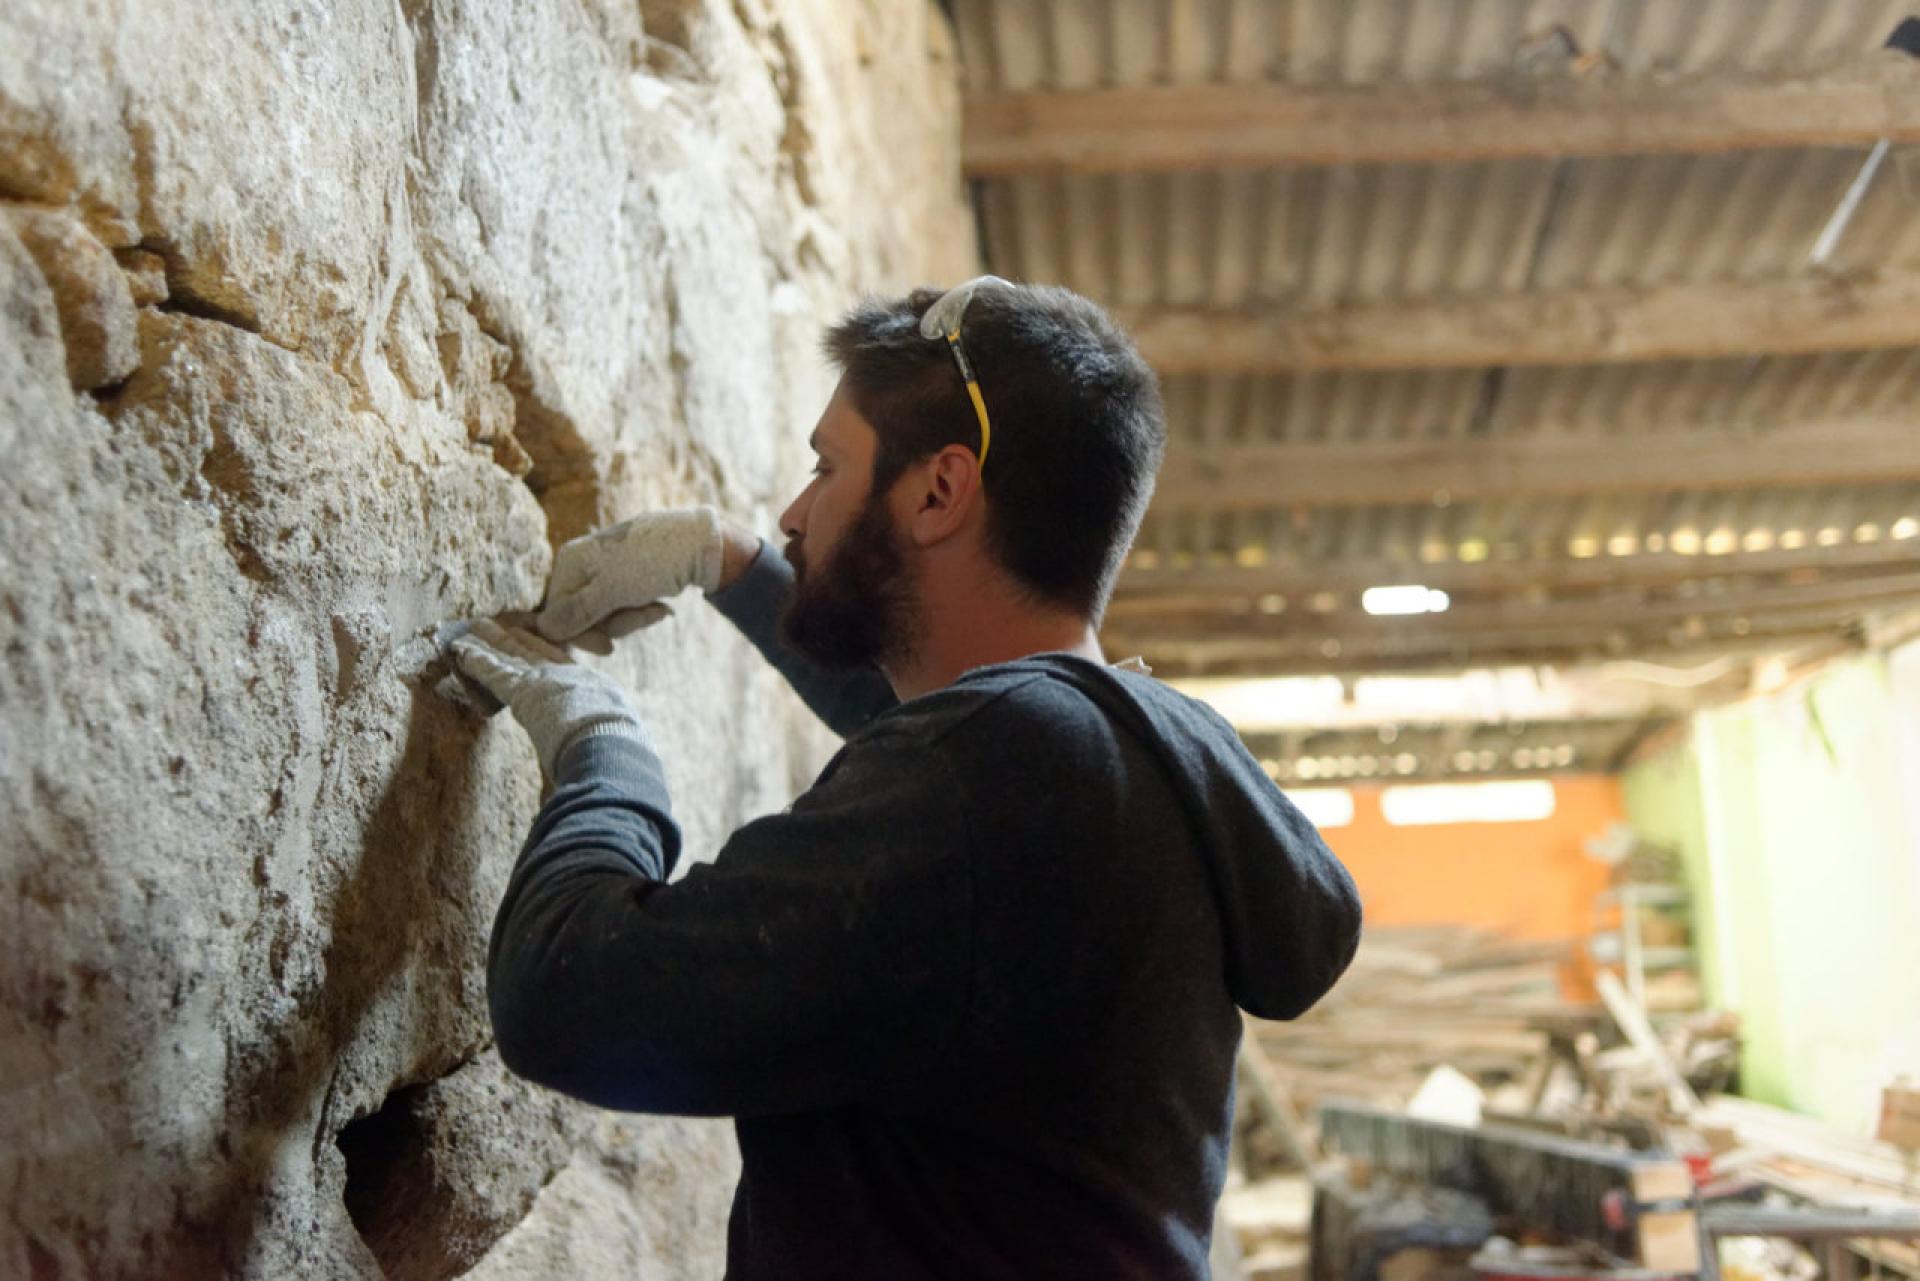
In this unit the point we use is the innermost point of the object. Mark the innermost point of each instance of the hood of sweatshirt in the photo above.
(1290, 913)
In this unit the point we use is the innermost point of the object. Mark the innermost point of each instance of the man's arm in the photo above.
(820, 958)
(755, 589)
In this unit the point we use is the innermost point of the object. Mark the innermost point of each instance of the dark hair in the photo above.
(1078, 427)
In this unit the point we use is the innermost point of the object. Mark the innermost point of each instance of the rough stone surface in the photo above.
(94, 300)
(323, 321)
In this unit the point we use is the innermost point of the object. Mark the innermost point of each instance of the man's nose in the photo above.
(790, 520)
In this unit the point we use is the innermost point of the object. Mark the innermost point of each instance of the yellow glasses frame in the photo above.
(943, 320)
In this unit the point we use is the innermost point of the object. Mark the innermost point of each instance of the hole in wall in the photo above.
(390, 1182)
(446, 1167)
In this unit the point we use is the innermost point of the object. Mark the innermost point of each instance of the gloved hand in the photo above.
(555, 700)
(612, 580)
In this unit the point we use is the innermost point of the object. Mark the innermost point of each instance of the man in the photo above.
(973, 997)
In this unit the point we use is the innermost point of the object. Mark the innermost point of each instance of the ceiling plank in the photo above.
(1848, 451)
(1305, 707)
(1514, 619)
(1168, 589)
(1174, 128)
(1175, 662)
(1593, 742)
(1682, 321)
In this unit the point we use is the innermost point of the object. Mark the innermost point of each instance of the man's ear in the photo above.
(946, 492)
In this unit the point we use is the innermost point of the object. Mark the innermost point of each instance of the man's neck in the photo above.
(961, 635)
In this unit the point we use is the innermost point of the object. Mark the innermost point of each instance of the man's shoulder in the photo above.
(935, 717)
(1012, 707)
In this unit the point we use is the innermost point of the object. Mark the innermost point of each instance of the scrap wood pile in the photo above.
(1467, 1003)
(1413, 1001)
(1454, 1025)
(1808, 1162)
(1416, 998)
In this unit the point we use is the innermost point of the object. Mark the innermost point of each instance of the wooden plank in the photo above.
(1900, 1117)
(1669, 1241)
(1682, 321)
(1174, 128)
(1165, 589)
(1179, 660)
(1291, 658)
(1811, 1142)
(1274, 1098)
(1633, 1021)
(1515, 618)
(1666, 1181)
(1842, 451)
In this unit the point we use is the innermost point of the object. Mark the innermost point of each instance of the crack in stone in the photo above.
(565, 477)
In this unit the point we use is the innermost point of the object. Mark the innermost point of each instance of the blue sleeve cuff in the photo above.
(753, 601)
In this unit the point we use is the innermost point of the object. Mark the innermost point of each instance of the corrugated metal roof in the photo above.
(1382, 232)
(1082, 44)
(1607, 400)
(1349, 234)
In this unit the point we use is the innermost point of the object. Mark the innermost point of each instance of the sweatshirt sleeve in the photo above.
(846, 701)
(819, 959)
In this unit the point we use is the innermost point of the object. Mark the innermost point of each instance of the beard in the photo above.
(857, 608)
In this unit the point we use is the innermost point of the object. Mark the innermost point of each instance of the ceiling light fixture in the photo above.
(1408, 598)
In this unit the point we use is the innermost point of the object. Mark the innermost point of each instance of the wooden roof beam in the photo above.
(1167, 589)
(1174, 128)
(1847, 451)
(1683, 321)
(1516, 620)
(1240, 658)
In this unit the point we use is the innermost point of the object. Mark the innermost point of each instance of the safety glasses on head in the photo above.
(943, 320)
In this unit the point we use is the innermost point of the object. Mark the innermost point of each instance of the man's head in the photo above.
(1078, 433)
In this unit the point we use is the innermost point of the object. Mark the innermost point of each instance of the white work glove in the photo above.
(611, 581)
(555, 700)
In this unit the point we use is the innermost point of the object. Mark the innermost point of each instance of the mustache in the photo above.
(792, 554)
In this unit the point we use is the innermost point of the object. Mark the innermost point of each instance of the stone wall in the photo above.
(323, 320)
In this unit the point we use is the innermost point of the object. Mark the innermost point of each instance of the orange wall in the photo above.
(1530, 880)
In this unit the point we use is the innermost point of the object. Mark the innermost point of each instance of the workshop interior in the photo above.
(1540, 508)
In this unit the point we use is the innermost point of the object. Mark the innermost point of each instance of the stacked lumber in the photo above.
(1269, 1219)
(1457, 1033)
(1416, 998)
(1815, 1164)
(1802, 1155)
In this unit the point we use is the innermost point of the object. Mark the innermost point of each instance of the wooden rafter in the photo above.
(1848, 451)
(1685, 321)
(1516, 618)
(1176, 661)
(1202, 127)
(1166, 589)
(1595, 742)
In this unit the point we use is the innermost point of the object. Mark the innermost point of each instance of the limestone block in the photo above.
(272, 188)
(635, 1202)
(146, 274)
(97, 323)
(63, 138)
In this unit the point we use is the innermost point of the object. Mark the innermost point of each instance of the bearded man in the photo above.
(974, 999)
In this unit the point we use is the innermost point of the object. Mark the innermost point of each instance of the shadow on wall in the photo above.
(392, 908)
